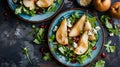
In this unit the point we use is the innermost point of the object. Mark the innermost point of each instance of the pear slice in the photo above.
(61, 34)
(78, 27)
(82, 44)
(29, 3)
(88, 28)
(44, 3)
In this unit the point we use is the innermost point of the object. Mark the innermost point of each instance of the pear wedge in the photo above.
(82, 44)
(78, 27)
(61, 34)
(29, 3)
(88, 27)
(44, 3)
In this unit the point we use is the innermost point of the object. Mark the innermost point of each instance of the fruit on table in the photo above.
(44, 3)
(115, 10)
(82, 44)
(102, 5)
(29, 3)
(78, 27)
(61, 34)
(88, 28)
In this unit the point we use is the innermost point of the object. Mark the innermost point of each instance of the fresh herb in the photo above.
(22, 9)
(27, 55)
(74, 17)
(46, 57)
(92, 21)
(70, 41)
(65, 51)
(110, 48)
(39, 35)
(81, 58)
(99, 63)
(52, 8)
(111, 28)
(52, 38)
(58, 1)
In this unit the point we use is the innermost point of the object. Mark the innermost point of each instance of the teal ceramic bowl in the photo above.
(99, 42)
(38, 17)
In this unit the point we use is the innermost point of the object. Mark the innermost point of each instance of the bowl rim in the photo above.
(40, 21)
(100, 24)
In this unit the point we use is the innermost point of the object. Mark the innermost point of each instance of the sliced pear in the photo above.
(88, 28)
(82, 44)
(29, 3)
(78, 27)
(44, 3)
(61, 34)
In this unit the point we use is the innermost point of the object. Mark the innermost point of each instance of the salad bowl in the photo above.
(63, 59)
(37, 18)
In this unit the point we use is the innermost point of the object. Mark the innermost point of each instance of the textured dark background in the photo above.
(14, 36)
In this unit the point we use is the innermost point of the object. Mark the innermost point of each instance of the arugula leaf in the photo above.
(46, 57)
(99, 63)
(92, 21)
(109, 26)
(74, 17)
(24, 10)
(18, 10)
(52, 8)
(109, 48)
(81, 58)
(58, 1)
(27, 55)
(52, 38)
(39, 35)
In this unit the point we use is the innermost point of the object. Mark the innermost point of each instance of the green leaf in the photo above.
(81, 58)
(36, 41)
(70, 41)
(110, 48)
(92, 21)
(58, 1)
(61, 49)
(52, 8)
(46, 57)
(108, 24)
(52, 38)
(99, 63)
(27, 55)
(18, 10)
(38, 35)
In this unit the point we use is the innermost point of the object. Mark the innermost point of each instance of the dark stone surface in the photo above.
(14, 36)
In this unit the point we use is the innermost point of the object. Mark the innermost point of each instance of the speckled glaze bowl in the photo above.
(38, 17)
(99, 42)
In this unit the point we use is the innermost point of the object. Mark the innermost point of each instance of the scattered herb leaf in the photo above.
(110, 48)
(46, 57)
(99, 63)
(27, 55)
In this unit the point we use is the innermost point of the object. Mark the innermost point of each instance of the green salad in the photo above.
(32, 7)
(70, 44)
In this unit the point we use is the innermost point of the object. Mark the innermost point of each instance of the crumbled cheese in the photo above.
(111, 34)
(74, 44)
(97, 28)
(89, 33)
(69, 23)
(95, 31)
(55, 28)
(71, 48)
